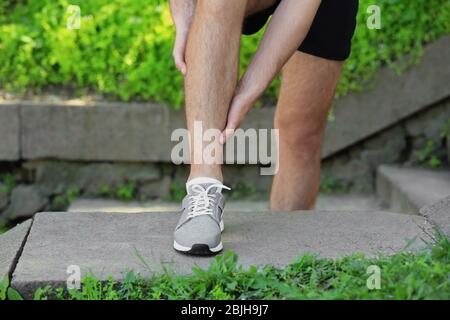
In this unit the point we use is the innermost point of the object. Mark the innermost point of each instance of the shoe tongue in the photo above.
(205, 182)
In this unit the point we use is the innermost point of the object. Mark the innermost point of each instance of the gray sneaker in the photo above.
(199, 229)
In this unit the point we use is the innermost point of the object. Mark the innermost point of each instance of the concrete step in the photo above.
(110, 244)
(438, 214)
(11, 243)
(407, 190)
(325, 202)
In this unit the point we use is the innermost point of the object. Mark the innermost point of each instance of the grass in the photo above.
(243, 191)
(3, 228)
(125, 192)
(8, 182)
(123, 47)
(427, 157)
(176, 193)
(330, 184)
(63, 201)
(239, 191)
(423, 275)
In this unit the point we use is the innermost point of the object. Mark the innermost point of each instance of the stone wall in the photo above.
(419, 140)
(35, 185)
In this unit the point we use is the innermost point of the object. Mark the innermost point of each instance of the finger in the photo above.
(179, 62)
(226, 134)
(235, 116)
(179, 52)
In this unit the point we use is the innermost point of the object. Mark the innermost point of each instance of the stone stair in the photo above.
(325, 202)
(407, 190)
(108, 244)
(39, 251)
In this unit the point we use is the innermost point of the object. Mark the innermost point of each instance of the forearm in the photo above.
(181, 9)
(182, 14)
(285, 32)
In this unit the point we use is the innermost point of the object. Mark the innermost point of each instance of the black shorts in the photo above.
(330, 34)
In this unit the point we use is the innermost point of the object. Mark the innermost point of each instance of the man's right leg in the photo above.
(212, 59)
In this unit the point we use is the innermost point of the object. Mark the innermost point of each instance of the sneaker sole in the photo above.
(200, 249)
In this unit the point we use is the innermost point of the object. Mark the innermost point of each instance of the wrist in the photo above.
(251, 87)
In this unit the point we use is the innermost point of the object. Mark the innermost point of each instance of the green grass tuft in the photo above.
(423, 275)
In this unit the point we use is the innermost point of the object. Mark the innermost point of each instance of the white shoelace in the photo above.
(200, 202)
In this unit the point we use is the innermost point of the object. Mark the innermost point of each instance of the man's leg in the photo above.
(212, 58)
(307, 90)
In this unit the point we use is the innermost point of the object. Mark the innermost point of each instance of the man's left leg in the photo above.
(307, 91)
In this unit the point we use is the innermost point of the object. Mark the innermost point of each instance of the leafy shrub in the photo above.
(123, 48)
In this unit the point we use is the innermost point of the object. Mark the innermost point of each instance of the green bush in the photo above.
(123, 48)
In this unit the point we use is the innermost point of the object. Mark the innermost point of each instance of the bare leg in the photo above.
(307, 90)
(212, 57)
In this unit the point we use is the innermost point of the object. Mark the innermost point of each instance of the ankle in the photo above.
(215, 174)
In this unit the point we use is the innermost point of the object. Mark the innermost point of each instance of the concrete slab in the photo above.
(111, 206)
(347, 202)
(99, 132)
(11, 244)
(448, 149)
(409, 189)
(439, 214)
(325, 202)
(109, 244)
(9, 132)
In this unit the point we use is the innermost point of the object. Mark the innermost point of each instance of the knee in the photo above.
(221, 8)
(299, 134)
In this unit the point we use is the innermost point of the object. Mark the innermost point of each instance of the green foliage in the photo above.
(63, 201)
(445, 133)
(243, 191)
(105, 190)
(9, 182)
(423, 275)
(6, 292)
(427, 156)
(330, 184)
(125, 192)
(123, 48)
(406, 26)
(4, 284)
(176, 193)
(3, 228)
